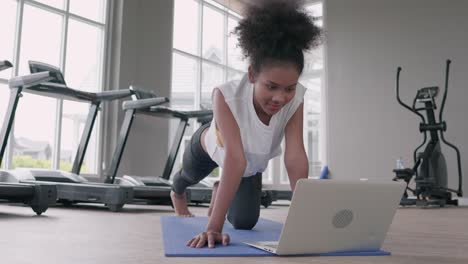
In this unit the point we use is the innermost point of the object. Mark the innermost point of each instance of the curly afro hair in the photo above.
(275, 31)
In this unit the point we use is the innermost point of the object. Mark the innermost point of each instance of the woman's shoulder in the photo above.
(235, 88)
(286, 113)
(300, 90)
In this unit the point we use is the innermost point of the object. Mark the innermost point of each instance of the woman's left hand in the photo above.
(210, 238)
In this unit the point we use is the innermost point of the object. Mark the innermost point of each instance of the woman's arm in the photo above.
(233, 170)
(234, 161)
(295, 158)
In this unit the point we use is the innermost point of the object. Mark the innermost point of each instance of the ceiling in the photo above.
(238, 5)
(235, 5)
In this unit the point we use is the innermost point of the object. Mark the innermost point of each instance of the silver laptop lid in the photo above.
(334, 216)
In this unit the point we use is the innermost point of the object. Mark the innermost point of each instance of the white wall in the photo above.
(367, 40)
(141, 55)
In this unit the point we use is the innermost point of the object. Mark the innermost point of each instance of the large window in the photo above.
(206, 54)
(69, 34)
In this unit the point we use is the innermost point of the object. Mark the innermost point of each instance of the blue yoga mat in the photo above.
(178, 230)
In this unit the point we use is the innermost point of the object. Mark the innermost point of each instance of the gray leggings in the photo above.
(244, 210)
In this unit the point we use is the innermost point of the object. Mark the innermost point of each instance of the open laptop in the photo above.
(328, 216)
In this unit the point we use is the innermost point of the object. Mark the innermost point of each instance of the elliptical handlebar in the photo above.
(398, 96)
(460, 174)
(447, 69)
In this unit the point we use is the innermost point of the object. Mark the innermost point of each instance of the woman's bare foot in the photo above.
(213, 197)
(180, 204)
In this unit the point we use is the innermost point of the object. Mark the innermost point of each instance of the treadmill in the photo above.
(195, 194)
(139, 192)
(38, 196)
(71, 187)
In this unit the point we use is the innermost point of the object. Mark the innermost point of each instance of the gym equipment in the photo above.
(142, 192)
(138, 191)
(38, 196)
(142, 105)
(324, 173)
(5, 65)
(71, 187)
(178, 230)
(430, 169)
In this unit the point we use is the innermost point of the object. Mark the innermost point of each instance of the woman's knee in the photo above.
(245, 222)
(180, 182)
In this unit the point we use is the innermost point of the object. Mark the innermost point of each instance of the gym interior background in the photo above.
(357, 127)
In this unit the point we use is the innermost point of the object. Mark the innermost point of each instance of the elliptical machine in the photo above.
(430, 168)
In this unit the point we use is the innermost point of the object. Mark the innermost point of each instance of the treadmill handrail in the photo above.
(179, 113)
(113, 95)
(30, 79)
(60, 91)
(144, 103)
(139, 92)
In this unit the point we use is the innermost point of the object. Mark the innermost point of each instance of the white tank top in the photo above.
(261, 142)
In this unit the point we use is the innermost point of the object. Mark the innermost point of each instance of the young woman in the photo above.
(250, 119)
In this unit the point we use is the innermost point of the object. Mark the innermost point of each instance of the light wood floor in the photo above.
(91, 234)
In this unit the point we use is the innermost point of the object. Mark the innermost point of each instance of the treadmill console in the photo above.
(35, 66)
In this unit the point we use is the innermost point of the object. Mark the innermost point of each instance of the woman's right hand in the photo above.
(209, 238)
